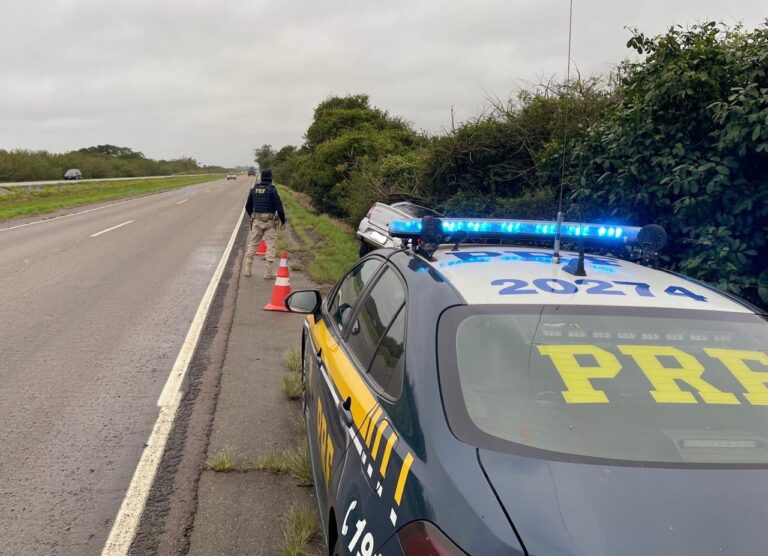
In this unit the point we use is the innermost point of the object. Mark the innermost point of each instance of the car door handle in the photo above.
(345, 413)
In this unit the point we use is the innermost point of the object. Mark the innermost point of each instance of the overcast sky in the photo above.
(213, 79)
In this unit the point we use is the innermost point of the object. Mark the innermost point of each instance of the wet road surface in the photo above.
(93, 310)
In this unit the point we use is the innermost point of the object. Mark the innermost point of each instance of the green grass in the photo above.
(20, 201)
(292, 360)
(293, 461)
(301, 527)
(331, 247)
(224, 462)
(292, 386)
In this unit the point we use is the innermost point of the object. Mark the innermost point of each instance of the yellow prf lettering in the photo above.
(753, 381)
(325, 444)
(664, 379)
(577, 377)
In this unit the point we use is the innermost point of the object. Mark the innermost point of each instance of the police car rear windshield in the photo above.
(639, 385)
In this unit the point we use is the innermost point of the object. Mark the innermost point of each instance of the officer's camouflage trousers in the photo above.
(263, 226)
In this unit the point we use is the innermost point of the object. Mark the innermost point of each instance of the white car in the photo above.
(231, 176)
(373, 231)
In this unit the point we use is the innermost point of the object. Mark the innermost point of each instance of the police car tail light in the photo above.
(422, 538)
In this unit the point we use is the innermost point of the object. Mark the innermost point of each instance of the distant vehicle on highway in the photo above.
(373, 231)
(231, 176)
(251, 171)
(73, 174)
(469, 398)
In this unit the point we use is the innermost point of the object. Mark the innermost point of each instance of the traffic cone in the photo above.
(282, 286)
(262, 248)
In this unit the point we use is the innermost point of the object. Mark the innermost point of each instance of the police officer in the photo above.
(262, 204)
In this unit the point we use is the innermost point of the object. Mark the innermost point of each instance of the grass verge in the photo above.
(301, 527)
(332, 248)
(21, 201)
(293, 461)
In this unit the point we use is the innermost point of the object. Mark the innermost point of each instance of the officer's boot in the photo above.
(269, 274)
(248, 265)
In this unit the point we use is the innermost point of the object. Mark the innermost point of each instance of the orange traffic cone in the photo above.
(262, 248)
(282, 286)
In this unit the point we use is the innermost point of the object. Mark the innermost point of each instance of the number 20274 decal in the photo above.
(514, 286)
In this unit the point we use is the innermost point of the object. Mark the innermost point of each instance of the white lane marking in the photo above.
(183, 201)
(127, 521)
(112, 228)
(68, 215)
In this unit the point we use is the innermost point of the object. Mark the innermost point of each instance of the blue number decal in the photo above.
(680, 291)
(600, 287)
(516, 287)
(563, 287)
(641, 288)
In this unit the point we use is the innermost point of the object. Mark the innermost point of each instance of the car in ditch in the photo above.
(502, 399)
(373, 230)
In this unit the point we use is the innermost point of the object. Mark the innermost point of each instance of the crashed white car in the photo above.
(373, 231)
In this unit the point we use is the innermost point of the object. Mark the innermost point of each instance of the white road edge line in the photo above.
(127, 521)
(184, 201)
(112, 228)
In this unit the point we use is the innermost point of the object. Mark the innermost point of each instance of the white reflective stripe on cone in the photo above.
(282, 282)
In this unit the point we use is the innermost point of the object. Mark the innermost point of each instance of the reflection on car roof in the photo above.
(505, 274)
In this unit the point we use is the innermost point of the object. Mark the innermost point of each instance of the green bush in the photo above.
(687, 147)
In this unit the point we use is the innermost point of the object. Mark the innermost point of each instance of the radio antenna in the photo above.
(556, 256)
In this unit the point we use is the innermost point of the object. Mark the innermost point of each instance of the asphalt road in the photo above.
(93, 310)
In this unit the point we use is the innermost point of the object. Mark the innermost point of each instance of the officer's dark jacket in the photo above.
(263, 197)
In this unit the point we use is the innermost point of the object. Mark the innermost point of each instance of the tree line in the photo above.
(100, 161)
(678, 136)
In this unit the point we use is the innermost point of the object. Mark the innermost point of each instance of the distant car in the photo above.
(231, 176)
(373, 231)
(73, 174)
(251, 171)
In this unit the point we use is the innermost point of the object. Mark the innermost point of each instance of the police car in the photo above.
(491, 399)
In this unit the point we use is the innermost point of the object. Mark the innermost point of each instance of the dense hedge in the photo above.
(678, 137)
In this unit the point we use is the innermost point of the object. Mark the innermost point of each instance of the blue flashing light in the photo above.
(485, 227)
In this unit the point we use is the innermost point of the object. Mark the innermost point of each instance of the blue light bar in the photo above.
(491, 227)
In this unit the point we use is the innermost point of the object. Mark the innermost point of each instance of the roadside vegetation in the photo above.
(223, 462)
(329, 246)
(301, 527)
(291, 461)
(100, 161)
(292, 386)
(677, 136)
(24, 201)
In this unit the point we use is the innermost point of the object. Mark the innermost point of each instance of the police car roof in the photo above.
(505, 274)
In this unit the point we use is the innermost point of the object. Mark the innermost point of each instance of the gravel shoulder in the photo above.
(234, 405)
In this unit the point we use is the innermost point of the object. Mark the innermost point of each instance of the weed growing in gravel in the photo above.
(293, 461)
(298, 426)
(224, 462)
(292, 360)
(292, 387)
(301, 527)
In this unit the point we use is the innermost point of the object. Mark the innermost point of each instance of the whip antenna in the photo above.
(556, 256)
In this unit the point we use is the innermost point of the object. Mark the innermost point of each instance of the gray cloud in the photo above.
(214, 78)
